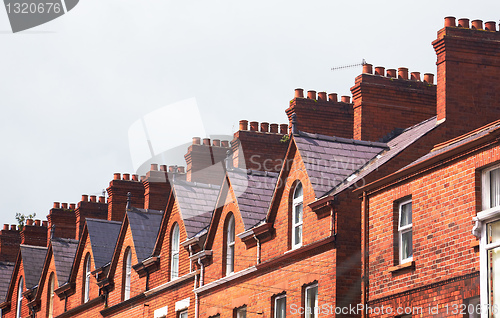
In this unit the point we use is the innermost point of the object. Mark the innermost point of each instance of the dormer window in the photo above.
(297, 209)
(86, 279)
(174, 254)
(128, 273)
(230, 245)
(19, 297)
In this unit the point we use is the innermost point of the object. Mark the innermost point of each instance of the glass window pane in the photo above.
(493, 232)
(311, 302)
(298, 235)
(406, 216)
(298, 213)
(241, 312)
(230, 259)
(183, 314)
(406, 245)
(175, 266)
(298, 191)
(494, 188)
(494, 279)
(280, 308)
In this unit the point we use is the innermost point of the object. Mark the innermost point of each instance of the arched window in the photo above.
(230, 245)
(86, 279)
(127, 272)
(174, 252)
(50, 296)
(297, 207)
(19, 297)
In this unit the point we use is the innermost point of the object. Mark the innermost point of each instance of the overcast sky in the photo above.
(73, 88)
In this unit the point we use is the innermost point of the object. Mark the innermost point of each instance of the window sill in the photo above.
(401, 267)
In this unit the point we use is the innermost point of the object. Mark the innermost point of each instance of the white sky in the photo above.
(71, 89)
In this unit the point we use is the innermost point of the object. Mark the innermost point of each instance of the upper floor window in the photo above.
(19, 297)
(241, 312)
(230, 245)
(311, 301)
(128, 273)
(280, 306)
(491, 188)
(174, 264)
(50, 296)
(183, 314)
(297, 209)
(86, 279)
(405, 232)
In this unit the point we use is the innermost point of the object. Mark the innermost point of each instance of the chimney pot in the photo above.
(85, 198)
(415, 76)
(403, 73)
(380, 70)
(180, 169)
(206, 141)
(332, 97)
(322, 96)
(477, 24)
(44, 223)
(299, 92)
(56, 205)
(37, 222)
(196, 140)
(264, 127)
(29, 222)
(490, 26)
(126, 176)
(367, 68)
(72, 206)
(171, 168)
(463, 23)
(429, 78)
(391, 73)
(225, 143)
(254, 126)
(284, 128)
(92, 198)
(216, 143)
(102, 199)
(135, 177)
(311, 95)
(346, 99)
(64, 206)
(449, 22)
(154, 167)
(163, 167)
(116, 176)
(13, 227)
(143, 178)
(5, 226)
(274, 128)
(243, 124)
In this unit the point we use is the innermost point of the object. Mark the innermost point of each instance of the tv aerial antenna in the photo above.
(363, 62)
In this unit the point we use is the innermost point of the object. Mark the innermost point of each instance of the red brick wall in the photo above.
(117, 200)
(10, 239)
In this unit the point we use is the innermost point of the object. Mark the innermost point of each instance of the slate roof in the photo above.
(103, 235)
(396, 145)
(5, 276)
(196, 202)
(254, 190)
(144, 225)
(63, 252)
(331, 160)
(33, 258)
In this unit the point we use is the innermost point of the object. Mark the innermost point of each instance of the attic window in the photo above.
(297, 209)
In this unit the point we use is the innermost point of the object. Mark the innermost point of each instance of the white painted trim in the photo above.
(182, 304)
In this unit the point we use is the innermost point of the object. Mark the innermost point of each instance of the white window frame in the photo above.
(174, 252)
(51, 295)
(128, 274)
(241, 312)
(183, 314)
(86, 288)
(276, 299)
(482, 219)
(312, 312)
(230, 240)
(402, 230)
(297, 201)
(19, 297)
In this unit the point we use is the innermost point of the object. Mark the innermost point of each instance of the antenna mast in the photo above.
(363, 62)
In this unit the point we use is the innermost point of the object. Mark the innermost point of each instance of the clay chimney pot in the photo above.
(429, 78)
(403, 73)
(415, 76)
(243, 124)
(311, 95)
(254, 126)
(322, 96)
(299, 92)
(477, 24)
(216, 143)
(283, 128)
(56, 205)
(116, 176)
(29, 222)
(264, 127)
(367, 69)
(380, 70)
(391, 73)
(463, 23)
(449, 22)
(154, 167)
(346, 99)
(196, 140)
(274, 128)
(490, 26)
(126, 176)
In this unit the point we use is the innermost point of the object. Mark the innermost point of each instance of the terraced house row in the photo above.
(383, 204)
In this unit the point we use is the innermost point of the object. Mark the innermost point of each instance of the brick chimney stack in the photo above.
(93, 207)
(10, 238)
(384, 101)
(468, 64)
(64, 220)
(117, 195)
(205, 159)
(157, 188)
(34, 233)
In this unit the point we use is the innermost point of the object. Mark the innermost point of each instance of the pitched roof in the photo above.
(63, 252)
(144, 225)
(254, 190)
(103, 235)
(33, 258)
(329, 161)
(396, 145)
(5, 276)
(196, 202)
